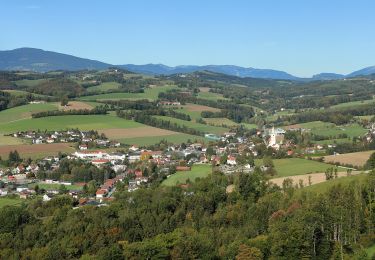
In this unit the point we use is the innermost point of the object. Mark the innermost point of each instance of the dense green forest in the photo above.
(255, 221)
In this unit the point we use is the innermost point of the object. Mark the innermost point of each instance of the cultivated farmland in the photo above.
(356, 159)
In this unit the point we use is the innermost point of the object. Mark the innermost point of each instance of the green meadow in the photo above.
(210, 96)
(330, 129)
(83, 122)
(354, 103)
(29, 82)
(196, 126)
(296, 166)
(22, 112)
(197, 171)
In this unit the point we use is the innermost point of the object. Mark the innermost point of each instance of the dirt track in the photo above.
(136, 132)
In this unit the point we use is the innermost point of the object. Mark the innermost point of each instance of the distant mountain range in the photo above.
(42, 61)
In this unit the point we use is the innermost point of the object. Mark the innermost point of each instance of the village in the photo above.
(230, 153)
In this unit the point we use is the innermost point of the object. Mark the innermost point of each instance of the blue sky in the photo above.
(297, 36)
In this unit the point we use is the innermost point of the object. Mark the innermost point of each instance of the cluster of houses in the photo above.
(223, 155)
(69, 136)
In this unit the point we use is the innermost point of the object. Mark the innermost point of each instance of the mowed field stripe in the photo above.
(144, 131)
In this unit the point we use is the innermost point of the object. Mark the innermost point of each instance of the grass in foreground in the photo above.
(5, 201)
(324, 186)
(197, 171)
(370, 251)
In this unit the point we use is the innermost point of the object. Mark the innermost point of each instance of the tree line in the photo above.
(257, 220)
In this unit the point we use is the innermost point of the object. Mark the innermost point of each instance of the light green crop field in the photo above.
(83, 122)
(9, 140)
(296, 166)
(9, 202)
(105, 86)
(354, 103)
(210, 96)
(22, 112)
(196, 126)
(29, 82)
(149, 140)
(197, 171)
(150, 93)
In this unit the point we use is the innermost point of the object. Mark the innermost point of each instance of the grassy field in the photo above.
(9, 140)
(83, 122)
(105, 86)
(176, 139)
(354, 103)
(287, 112)
(197, 171)
(29, 82)
(54, 186)
(296, 166)
(22, 112)
(330, 129)
(194, 115)
(210, 96)
(196, 126)
(9, 202)
(370, 252)
(150, 93)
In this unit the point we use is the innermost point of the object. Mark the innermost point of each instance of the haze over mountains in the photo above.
(43, 61)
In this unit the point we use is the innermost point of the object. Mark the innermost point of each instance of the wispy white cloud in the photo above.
(33, 7)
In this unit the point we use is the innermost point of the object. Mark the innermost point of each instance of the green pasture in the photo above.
(296, 166)
(197, 171)
(83, 122)
(194, 125)
(22, 112)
